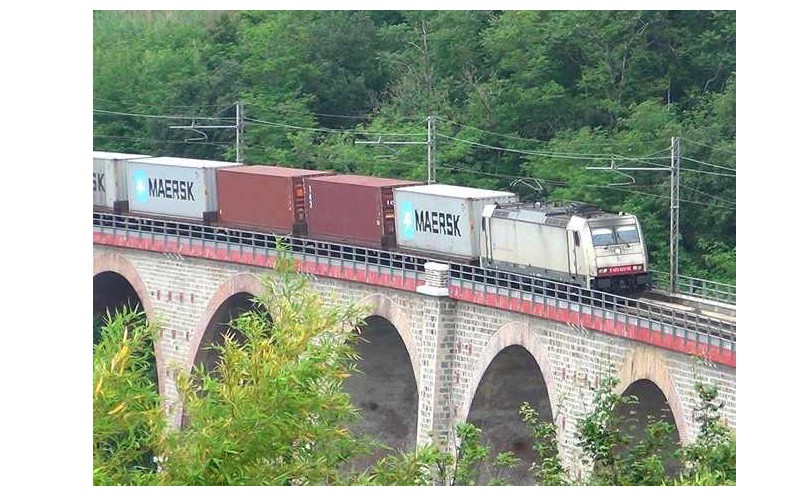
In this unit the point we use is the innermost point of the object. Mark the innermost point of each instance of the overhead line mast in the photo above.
(674, 216)
(430, 143)
(239, 126)
(674, 204)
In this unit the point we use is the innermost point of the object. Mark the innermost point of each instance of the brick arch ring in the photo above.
(646, 363)
(119, 264)
(240, 283)
(384, 307)
(513, 333)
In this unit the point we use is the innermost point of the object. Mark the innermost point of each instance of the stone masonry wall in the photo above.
(450, 344)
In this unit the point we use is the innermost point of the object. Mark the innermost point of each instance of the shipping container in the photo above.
(110, 180)
(444, 220)
(174, 187)
(264, 197)
(353, 208)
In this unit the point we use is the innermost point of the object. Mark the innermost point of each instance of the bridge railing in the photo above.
(684, 324)
(250, 245)
(696, 287)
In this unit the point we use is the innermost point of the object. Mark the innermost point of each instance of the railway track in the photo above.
(697, 305)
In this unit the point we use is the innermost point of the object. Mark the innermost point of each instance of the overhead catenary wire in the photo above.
(253, 105)
(525, 152)
(722, 200)
(160, 117)
(350, 132)
(707, 172)
(663, 197)
(566, 184)
(161, 141)
(547, 154)
(564, 155)
(281, 110)
(708, 164)
(259, 122)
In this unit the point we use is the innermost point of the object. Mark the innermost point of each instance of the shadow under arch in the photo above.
(650, 364)
(512, 368)
(116, 263)
(645, 375)
(385, 390)
(231, 298)
(379, 305)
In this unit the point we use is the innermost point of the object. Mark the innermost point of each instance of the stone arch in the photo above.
(387, 388)
(651, 364)
(513, 333)
(380, 305)
(504, 375)
(117, 263)
(240, 283)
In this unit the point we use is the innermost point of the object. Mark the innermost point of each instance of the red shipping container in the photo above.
(264, 197)
(353, 208)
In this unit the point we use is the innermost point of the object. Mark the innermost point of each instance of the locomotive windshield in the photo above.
(627, 234)
(603, 237)
(622, 235)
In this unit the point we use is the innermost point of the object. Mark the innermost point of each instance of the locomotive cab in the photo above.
(618, 260)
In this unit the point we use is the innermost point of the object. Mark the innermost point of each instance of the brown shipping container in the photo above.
(353, 208)
(264, 197)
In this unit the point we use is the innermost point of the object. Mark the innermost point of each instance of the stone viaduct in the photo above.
(431, 361)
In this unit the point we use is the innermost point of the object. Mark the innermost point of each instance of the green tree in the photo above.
(712, 459)
(276, 413)
(127, 416)
(548, 470)
(616, 459)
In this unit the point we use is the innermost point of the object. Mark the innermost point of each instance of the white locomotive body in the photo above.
(570, 242)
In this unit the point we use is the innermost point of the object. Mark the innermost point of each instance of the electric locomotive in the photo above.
(571, 242)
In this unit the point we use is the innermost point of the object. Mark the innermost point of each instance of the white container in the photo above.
(444, 220)
(110, 179)
(174, 187)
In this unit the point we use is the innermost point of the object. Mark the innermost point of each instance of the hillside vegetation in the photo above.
(529, 101)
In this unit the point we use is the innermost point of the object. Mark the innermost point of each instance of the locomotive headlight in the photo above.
(617, 250)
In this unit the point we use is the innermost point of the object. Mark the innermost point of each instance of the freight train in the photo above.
(567, 242)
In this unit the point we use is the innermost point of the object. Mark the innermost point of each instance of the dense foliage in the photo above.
(524, 100)
(127, 416)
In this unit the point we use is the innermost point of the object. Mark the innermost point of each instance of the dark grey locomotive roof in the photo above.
(551, 213)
